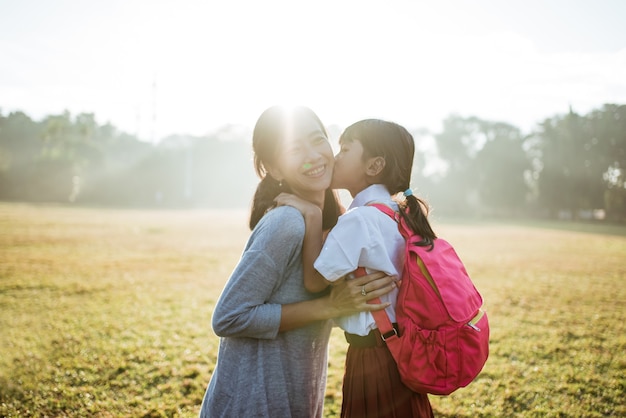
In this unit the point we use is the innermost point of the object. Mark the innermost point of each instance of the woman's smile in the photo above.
(317, 171)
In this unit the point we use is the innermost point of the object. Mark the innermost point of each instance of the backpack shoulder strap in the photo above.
(402, 226)
(394, 215)
(382, 319)
(385, 209)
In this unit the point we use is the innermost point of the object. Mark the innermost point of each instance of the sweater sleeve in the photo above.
(242, 309)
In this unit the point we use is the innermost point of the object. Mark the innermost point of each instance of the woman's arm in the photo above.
(243, 310)
(313, 239)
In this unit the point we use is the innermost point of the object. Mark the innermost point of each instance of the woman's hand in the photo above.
(347, 295)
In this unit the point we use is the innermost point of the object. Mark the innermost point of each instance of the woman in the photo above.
(272, 356)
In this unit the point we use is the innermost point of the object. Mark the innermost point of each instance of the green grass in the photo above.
(106, 313)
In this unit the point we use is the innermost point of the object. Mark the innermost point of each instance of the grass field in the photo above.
(106, 313)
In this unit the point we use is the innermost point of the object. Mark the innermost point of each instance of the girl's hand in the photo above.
(304, 206)
(347, 295)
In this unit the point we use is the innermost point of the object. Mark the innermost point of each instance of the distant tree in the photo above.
(457, 145)
(486, 167)
(580, 161)
(223, 172)
(19, 146)
(115, 177)
(501, 165)
(58, 161)
(609, 129)
(570, 162)
(424, 184)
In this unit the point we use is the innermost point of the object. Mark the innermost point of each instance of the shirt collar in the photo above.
(373, 193)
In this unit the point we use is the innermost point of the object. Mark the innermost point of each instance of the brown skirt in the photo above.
(372, 387)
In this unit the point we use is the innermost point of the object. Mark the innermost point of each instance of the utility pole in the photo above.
(154, 110)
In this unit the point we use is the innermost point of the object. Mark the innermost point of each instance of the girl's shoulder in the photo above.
(354, 217)
(365, 216)
(364, 212)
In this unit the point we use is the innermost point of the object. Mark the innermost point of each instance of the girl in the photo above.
(273, 352)
(374, 165)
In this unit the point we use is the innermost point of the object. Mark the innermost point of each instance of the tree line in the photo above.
(569, 166)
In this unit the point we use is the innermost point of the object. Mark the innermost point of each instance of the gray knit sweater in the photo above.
(261, 372)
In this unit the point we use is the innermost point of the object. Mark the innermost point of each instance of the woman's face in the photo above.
(305, 161)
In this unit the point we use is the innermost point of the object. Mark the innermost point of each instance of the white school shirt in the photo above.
(364, 237)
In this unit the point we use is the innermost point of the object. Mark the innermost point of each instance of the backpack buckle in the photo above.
(474, 327)
(389, 334)
(472, 323)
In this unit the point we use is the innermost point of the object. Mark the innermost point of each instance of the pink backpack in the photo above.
(442, 341)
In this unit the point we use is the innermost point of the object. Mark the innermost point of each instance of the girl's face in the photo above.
(350, 169)
(305, 161)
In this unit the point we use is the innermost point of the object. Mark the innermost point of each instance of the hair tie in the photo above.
(408, 192)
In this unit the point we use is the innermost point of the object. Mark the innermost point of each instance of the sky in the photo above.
(155, 68)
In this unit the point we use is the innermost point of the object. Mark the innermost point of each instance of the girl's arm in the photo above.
(313, 239)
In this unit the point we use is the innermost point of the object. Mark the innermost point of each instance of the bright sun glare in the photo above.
(154, 70)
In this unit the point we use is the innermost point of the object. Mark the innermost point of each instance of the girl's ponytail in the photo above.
(414, 211)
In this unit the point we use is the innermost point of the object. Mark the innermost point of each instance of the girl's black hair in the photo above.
(395, 144)
(270, 133)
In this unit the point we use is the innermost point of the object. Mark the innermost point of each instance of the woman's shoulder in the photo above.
(284, 214)
(284, 220)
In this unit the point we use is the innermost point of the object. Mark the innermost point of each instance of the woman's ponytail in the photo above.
(263, 200)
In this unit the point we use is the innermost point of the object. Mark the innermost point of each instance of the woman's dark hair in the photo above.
(270, 132)
(395, 144)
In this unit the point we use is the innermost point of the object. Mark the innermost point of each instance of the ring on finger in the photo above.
(363, 292)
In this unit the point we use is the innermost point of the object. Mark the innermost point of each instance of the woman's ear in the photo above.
(275, 173)
(375, 166)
